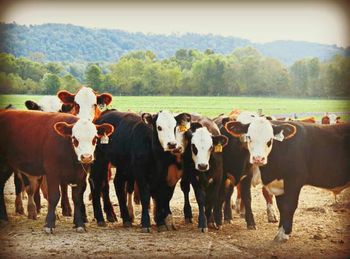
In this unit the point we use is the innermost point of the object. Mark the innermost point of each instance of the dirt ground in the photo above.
(321, 230)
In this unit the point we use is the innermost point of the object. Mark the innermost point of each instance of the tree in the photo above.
(51, 83)
(94, 77)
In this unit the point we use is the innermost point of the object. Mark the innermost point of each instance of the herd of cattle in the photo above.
(59, 142)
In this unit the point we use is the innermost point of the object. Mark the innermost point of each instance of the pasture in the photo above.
(209, 106)
(321, 224)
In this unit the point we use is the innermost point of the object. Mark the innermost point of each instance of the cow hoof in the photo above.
(219, 227)
(146, 230)
(162, 228)
(67, 213)
(101, 224)
(228, 221)
(203, 230)
(272, 219)
(112, 218)
(127, 224)
(281, 236)
(48, 230)
(20, 211)
(212, 225)
(80, 230)
(188, 221)
(251, 227)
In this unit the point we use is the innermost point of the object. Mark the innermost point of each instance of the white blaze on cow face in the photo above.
(201, 146)
(259, 140)
(50, 104)
(247, 117)
(165, 126)
(84, 134)
(87, 101)
(332, 118)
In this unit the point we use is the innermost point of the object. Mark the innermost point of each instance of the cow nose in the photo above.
(202, 167)
(171, 145)
(86, 158)
(258, 159)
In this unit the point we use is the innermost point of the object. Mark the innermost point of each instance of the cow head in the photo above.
(84, 135)
(330, 119)
(48, 104)
(85, 102)
(166, 125)
(203, 144)
(259, 136)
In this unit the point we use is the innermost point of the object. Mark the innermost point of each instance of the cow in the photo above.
(49, 104)
(233, 174)
(330, 119)
(134, 150)
(85, 102)
(203, 167)
(53, 144)
(288, 156)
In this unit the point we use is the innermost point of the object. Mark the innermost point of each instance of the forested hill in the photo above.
(65, 42)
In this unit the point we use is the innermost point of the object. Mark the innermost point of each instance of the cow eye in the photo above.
(194, 149)
(269, 143)
(75, 142)
(159, 128)
(94, 140)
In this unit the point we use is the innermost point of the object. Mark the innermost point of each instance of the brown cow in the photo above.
(52, 144)
(330, 119)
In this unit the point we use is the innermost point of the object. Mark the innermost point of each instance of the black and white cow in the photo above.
(203, 169)
(300, 156)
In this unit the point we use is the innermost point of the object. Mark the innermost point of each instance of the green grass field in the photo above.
(209, 106)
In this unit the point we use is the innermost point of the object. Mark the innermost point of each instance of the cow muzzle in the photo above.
(171, 145)
(202, 167)
(259, 160)
(86, 158)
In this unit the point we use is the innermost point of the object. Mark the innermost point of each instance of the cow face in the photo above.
(84, 135)
(203, 144)
(259, 136)
(48, 104)
(165, 125)
(183, 123)
(86, 102)
(333, 119)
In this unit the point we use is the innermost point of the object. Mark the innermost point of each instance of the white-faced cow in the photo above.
(300, 156)
(53, 144)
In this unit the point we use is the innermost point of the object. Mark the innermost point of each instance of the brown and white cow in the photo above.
(330, 119)
(53, 144)
(300, 156)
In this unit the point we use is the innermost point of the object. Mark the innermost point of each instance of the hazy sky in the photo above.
(323, 22)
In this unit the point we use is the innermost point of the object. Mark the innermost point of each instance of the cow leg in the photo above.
(5, 173)
(53, 198)
(287, 204)
(79, 207)
(37, 197)
(18, 187)
(185, 187)
(247, 201)
(119, 184)
(239, 205)
(271, 217)
(43, 187)
(99, 171)
(200, 198)
(107, 204)
(229, 186)
(65, 205)
(31, 189)
(129, 191)
(169, 220)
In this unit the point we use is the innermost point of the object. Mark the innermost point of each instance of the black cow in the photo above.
(310, 154)
(203, 169)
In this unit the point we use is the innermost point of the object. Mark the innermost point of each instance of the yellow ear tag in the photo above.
(218, 148)
(183, 128)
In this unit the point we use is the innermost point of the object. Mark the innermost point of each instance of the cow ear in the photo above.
(219, 141)
(104, 98)
(66, 97)
(195, 126)
(284, 131)
(63, 128)
(338, 118)
(236, 128)
(104, 129)
(32, 105)
(66, 108)
(147, 118)
(225, 120)
(183, 118)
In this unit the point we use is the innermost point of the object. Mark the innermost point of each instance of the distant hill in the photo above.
(66, 42)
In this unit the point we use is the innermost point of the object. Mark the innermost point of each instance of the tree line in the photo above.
(189, 72)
